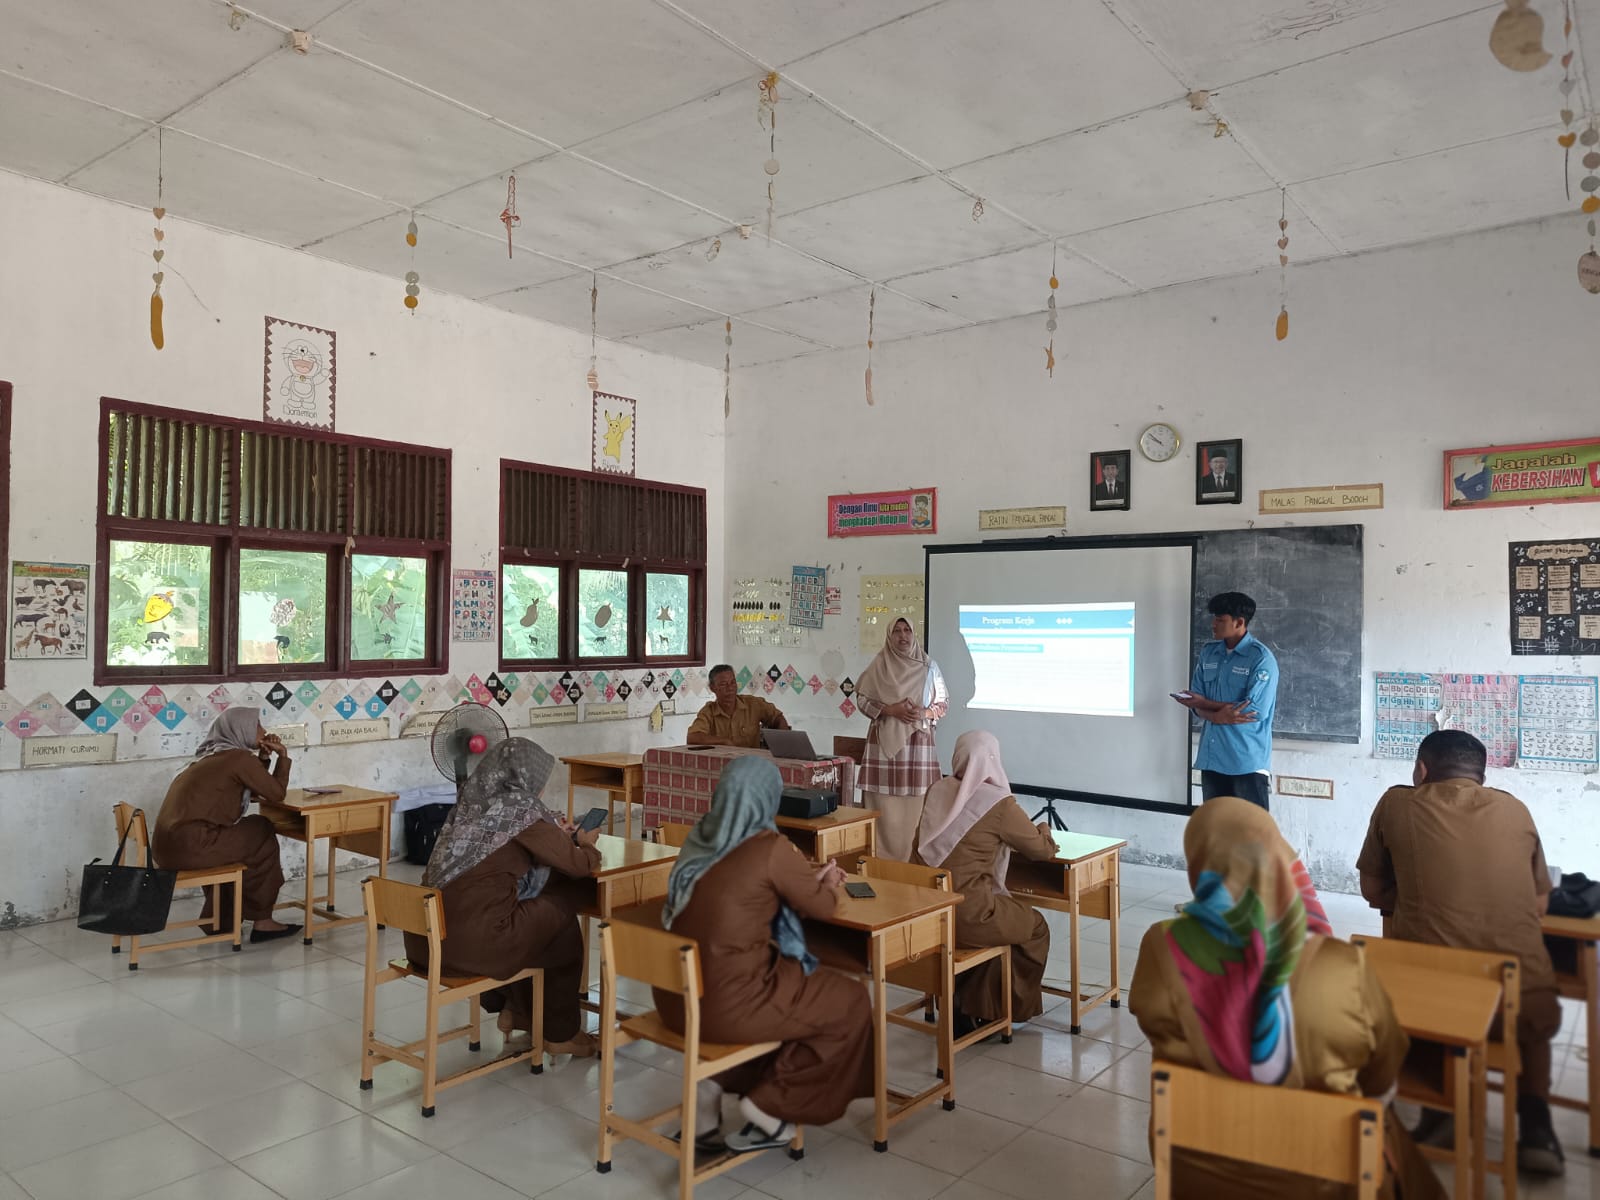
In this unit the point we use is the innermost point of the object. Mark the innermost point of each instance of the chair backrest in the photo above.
(671, 833)
(658, 957)
(131, 825)
(1504, 969)
(853, 748)
(404, 906)
(1327, 1136)
(903, 872)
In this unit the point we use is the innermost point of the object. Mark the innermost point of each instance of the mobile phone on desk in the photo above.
(321, 791)
(593, 819)
(859, 891)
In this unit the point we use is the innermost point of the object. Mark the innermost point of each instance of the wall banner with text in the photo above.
(912, 511)
(1532, 473)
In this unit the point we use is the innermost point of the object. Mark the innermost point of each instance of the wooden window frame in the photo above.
(227, 537)
(569, 560)
(5, 516)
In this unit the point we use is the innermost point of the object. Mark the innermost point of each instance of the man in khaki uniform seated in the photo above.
(1460, 864)
(732, 719)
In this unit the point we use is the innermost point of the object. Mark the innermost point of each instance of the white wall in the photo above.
(1392, 359)
(74, 327)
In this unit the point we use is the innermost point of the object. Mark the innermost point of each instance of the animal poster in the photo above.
(1555, 597)
(615, 430)
(806, 591)
(472, 609)
(49, 610)
(298, 387)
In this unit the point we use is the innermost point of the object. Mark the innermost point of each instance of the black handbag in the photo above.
(422, 826)
(125, 901)
(1576, 896)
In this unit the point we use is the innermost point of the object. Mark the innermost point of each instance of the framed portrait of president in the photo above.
(1110, 485)
(1219, 472)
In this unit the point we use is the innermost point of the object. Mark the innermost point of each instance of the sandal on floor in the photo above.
(582, 1045)
(752, 1138)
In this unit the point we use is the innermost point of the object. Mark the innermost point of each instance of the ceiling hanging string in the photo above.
(158, 336)
(508, 214)
(1050, 319)
(872, 306)
(594, 333)
(1281, 331)
(767, 115)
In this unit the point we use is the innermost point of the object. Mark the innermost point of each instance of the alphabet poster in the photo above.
(298, 388)
(472, 609)
(49, 610)
(614, 433)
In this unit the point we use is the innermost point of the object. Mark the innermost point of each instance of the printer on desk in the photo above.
(806, 803)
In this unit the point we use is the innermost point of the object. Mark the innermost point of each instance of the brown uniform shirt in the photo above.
(1462, 866)
(210, 789)
(750, 715)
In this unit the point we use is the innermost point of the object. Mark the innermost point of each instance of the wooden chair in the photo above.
(1502, 1057)
(417, 910)
(670, 962)
(1321, 1134)
(670, 833)
(131, 824)
(853, 748)
(919, 975)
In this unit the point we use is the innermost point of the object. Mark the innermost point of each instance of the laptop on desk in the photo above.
(788, 743)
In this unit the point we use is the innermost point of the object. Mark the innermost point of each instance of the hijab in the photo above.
(498, 801)
(745, 804)
(234, 729)
(893, 676)
(1238, 942)
(957, 803)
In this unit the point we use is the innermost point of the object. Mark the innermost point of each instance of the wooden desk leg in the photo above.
(1072, 918)
(570, 786)
(880, 1047)
(947, 1005)
(311, 878)
(1464, 1068)
(333, 858)
(1480, 1123)
(1114, 900)
(1589, 972)
(383, 842)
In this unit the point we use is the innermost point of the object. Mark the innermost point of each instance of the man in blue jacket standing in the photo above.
(1234, 691)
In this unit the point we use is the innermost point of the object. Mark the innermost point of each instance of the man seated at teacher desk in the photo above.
(731, 719)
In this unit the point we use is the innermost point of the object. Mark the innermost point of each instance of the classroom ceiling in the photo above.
(632, 127)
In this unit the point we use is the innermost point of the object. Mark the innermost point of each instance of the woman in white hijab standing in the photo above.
(971, 825)
(903, 694)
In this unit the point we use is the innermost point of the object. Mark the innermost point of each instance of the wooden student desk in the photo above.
(1585, 986)
(1082, 881)
(630, 873)
(845, 833)
(620, 776)
(351, 818)
(901, 924)
(1454, 1011)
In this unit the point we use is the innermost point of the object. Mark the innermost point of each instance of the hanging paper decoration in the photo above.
(714, 249)
(1282, 329)
(767, 115)
(872, 305)
(727, 367)
(1050, 320)
(508, 214)
(1567, 137)
(413, 280)
(158, 336)
(1589, 261)
(594, 333)
(1517, 39)
(977, 209)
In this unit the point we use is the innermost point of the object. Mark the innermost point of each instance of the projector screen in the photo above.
(1068, 654)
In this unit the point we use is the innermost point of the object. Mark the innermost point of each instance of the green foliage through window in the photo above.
(388, 607)
(530, 617)
(283, 606)
(602, 613)
(666, 620)
(158, 613)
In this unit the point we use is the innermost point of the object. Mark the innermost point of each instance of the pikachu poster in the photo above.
(615, 428)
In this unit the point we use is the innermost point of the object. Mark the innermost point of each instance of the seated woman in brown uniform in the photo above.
(1246, 984)
(497, 865)
(970, 825)
(203, 824)
(739, 888)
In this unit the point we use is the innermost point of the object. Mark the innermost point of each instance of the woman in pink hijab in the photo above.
(970, 825)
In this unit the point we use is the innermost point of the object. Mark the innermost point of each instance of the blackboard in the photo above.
(1306, 582)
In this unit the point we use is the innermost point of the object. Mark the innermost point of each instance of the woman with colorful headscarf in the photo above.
(494, 865)
(903, 694)
(202, 823)
(1243, 985)
(971, 824)
(739, 888)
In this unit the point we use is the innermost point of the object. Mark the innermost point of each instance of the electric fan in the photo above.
(462, 736)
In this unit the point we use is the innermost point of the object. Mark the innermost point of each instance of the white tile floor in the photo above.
(209, 1075)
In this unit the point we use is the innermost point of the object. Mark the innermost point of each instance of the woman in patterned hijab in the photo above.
(499, 866)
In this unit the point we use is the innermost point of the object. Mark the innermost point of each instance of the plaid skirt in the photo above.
(911, 774)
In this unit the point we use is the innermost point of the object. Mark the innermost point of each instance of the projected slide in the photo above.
(1051, 658)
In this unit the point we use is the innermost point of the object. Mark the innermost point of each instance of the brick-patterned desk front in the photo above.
(679, 780)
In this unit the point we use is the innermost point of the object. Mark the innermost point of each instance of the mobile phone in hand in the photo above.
(859, 891)
(593, 819)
